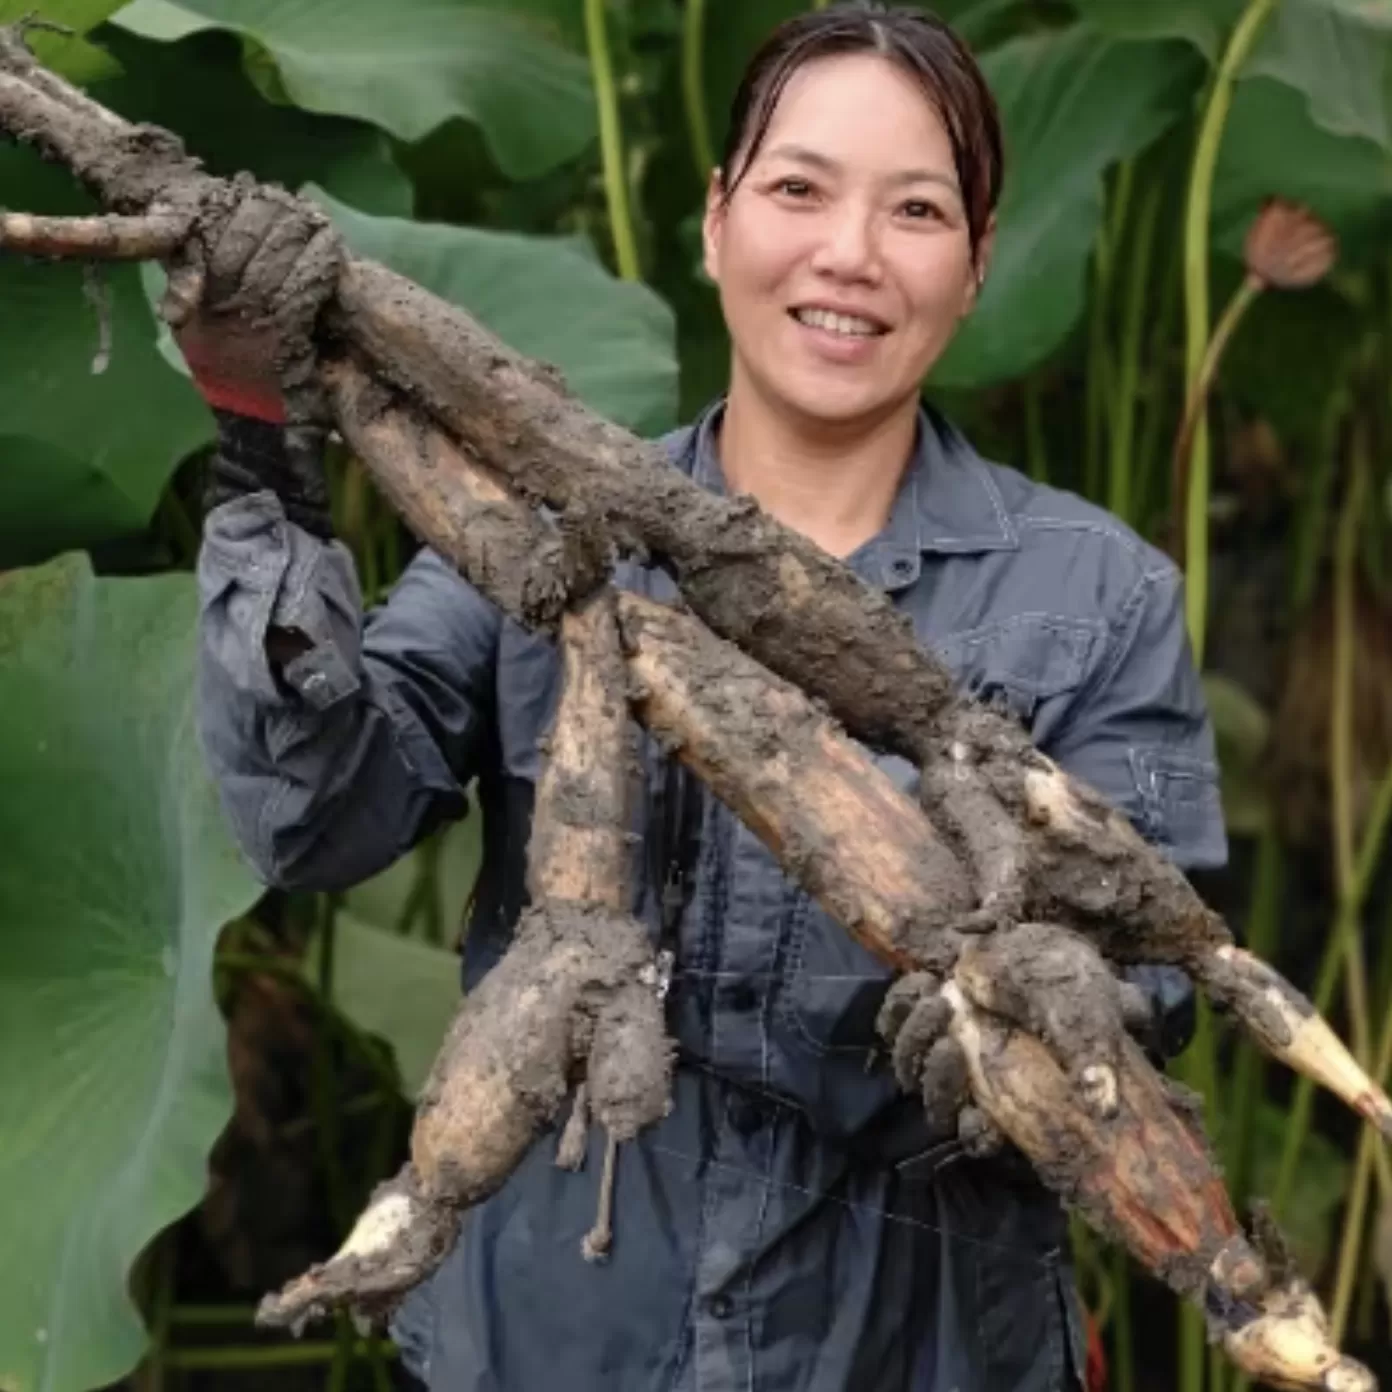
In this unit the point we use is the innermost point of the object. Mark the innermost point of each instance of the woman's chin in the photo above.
(833, 403)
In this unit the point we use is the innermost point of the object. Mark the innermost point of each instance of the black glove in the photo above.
(288, 459)
(1170, 1020)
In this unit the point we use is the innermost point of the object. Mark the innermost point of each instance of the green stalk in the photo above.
(213, 1314)
(1341, 746)
(1155, 414)
(1355, 1226)
(1345, 929)
(1314, 508)
(252, 1356)
(1198, 1068)
(150, 1377)
(694, 87)
(1095, 391)
(1122, 463)
(1196, 233)
(1196, 406)
(1036, 442)
(1263, 933)
(1341, 686)
(611, 143)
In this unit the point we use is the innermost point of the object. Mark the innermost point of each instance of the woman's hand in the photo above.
(242, 301)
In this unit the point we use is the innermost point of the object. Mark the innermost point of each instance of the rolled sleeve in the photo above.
(1139, 730)
(257, 570)
(336, 765)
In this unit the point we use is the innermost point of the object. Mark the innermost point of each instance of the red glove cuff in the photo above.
(240, 398)
(232, 369)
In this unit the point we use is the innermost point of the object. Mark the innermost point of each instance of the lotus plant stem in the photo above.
(1345, 928)
(1263, 934)
(1350, 865)
(1314, 507)
(1195, 414)
(163, 1259)
(323, 1081)
(611, 143)
(287, 1355)
(1120, 498)
(1341, 746)
(1155, 391)
(1355, 1224)
(1098, 358)
(1196, 238)
(1341, 694)
(1036, 442)
(208, 1315)
(694, 87)
(1198, 1068)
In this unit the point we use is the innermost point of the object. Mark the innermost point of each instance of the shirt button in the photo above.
(901, 569)
(720, 1307)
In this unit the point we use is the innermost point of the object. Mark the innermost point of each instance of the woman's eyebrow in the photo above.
(801, 154)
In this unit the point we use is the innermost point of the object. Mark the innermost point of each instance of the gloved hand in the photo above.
(242, 301)
(1165, 1024)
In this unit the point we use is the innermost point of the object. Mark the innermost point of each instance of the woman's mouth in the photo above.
(838, 339)
(844, 325)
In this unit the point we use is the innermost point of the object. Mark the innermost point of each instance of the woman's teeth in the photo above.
(837, 323)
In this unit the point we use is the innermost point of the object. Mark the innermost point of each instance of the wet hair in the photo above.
(914, 40)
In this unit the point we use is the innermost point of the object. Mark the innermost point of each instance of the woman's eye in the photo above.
(920, 209)
(794, 188)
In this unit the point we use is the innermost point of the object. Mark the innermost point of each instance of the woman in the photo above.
(792, 1224)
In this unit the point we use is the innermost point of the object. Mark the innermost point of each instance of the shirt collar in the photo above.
(947, 504)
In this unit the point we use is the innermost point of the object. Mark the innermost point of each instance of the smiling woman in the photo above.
(848, 228)
(794, 1221)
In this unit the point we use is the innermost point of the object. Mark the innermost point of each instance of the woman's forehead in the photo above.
(847, 109)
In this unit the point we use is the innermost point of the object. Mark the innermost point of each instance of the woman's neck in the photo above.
(834, 485)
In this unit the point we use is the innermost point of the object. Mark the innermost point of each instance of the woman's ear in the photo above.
(712, 224)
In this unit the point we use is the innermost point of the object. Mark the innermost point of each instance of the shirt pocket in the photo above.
(1016, 664)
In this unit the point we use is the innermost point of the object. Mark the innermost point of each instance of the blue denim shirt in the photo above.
(791, 1225)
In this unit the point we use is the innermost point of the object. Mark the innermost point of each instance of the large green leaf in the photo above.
(1338, 55)
(397, 988)
(1204, 23)
(547, 297)
(389, 978)
(83, 456)
(1073, 103)
(198, 88)
(115, 879)
(1271, 146)
(410, 65)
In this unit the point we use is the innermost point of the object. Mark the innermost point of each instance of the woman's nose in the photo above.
(849, 248)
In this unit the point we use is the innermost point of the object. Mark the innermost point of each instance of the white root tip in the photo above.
(380, 1225)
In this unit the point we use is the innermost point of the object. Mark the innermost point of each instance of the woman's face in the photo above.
(842, 259)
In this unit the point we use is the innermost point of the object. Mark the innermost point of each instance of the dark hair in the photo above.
(921, 44)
